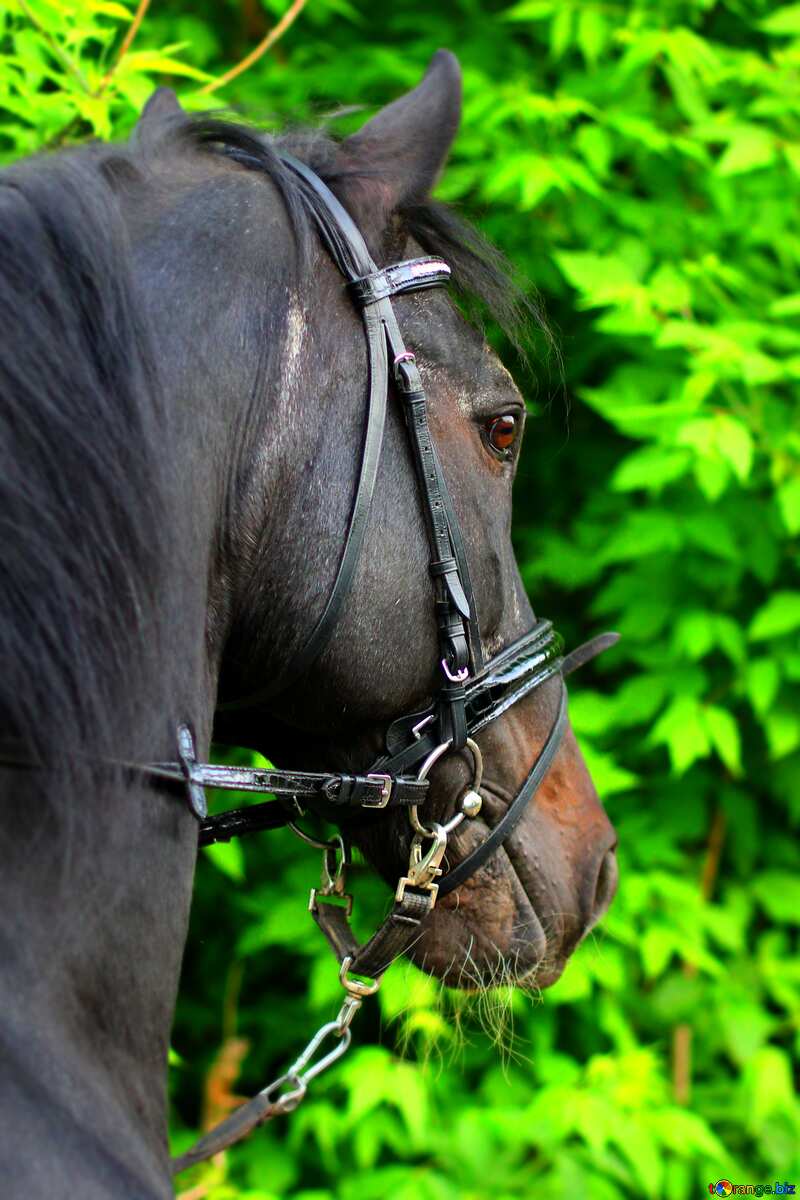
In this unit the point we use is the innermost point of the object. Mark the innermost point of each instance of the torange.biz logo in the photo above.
(724, 1187)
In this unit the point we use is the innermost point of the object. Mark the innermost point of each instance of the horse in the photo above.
(182, 454)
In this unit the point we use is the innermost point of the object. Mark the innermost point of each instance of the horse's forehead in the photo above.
(459, 360)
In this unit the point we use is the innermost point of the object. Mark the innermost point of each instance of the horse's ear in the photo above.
(396, 157)
(162, 105)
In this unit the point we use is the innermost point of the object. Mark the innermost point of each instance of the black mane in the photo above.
(80, 420)
(84, 431)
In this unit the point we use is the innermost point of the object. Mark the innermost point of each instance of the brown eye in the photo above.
(501, 433)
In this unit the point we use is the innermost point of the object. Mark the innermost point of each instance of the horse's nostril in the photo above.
(606, 885)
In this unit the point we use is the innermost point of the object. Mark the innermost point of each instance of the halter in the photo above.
(472, 693)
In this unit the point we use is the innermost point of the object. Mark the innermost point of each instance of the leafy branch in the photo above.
(277, 31)
(127, 42)
(57, 51)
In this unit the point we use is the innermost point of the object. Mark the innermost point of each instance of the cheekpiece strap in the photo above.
(413, 275)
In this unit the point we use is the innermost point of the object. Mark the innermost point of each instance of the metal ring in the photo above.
(477, 779)
(333, 844)
(434, 756)
(477, 759)
(354, 986)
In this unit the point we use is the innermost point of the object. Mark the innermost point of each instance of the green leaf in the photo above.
(783, 732)
(107, 8)
(593, 33)
(657, 948)
(227, 857)
(735, 444)
(767, 1080)
(762, 679)
(749, 149)
(724, 734)
(788, 496)
(784, 22)
(160, 63)
(786, 306)
(683, 730)
(780, 615)
(778, 892)
(650, 468)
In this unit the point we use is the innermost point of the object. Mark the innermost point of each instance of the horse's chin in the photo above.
(468, 948)
(489, 934)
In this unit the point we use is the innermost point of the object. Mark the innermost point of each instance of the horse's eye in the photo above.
(501, 433)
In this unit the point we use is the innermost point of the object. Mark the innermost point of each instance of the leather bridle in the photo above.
(472, 693)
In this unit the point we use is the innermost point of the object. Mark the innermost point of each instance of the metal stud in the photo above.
(471, 803)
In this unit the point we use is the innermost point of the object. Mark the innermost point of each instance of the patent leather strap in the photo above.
(517, 670)
(337, 791)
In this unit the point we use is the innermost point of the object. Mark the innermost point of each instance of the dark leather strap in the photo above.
(581, 655)
(518, 669)
(394, 937)
(239, 822)
(337, 789)
(413, 275)
(372, 289)
(460, 553)
(238, 1125)
(506, 826)
(352, 257)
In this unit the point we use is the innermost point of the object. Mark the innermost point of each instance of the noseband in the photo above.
(473, 693)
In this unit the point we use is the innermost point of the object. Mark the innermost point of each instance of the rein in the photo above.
(472, 694)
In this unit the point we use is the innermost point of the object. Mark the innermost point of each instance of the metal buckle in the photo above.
(337, 899)
(386, 790)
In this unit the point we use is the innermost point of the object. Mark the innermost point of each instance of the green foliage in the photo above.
(639, 163)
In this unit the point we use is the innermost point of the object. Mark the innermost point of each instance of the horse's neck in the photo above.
(94, 899)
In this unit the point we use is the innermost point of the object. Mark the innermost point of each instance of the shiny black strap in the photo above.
(372, 289)
(333, 787)
(337, 789)
(508, 823)
(413, 275)
(519, 668)
(460, 555)
(350, 253)
(239, 822)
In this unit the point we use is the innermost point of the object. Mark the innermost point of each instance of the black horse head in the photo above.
(183, 382)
